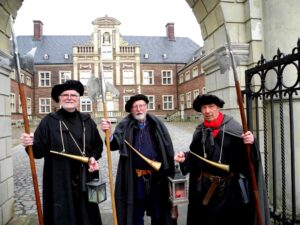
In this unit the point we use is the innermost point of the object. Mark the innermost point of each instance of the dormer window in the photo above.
(146, 55)
(164, 56)
(46, 56)
(66, 56)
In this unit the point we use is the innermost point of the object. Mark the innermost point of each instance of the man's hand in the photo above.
(93, 165)
(27, 139)
(179, 157)
(248, 138)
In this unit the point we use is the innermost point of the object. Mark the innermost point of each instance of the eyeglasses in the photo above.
(69, 95)
(141, 106)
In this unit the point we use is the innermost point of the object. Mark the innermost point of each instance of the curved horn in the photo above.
(76, 157)
(155, 165)
(218, 165)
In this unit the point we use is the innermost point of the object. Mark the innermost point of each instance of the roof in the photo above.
(179, 50)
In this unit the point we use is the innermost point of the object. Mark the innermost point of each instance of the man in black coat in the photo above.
(65, 197)
(219, 184)
(139, 188)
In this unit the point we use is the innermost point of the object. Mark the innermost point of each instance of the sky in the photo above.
(137, 17)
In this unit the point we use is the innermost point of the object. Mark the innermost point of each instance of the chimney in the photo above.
(170, 31)
(37, 30)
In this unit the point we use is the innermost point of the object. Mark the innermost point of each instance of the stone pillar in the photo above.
(7, 8)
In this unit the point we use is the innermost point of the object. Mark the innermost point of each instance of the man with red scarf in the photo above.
(219, 181)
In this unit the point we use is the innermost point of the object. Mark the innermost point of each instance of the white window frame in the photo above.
(28, 81)
(187, 75)
(196, 92)
(84, 76)
(20, 105)
(13, 102)
(182, 101)
(28, 103)
(86, 104)
(166, 77)
(167, 102)
(44, 107)
(64, 76)
(181, 79)
(148, 77)
(128, 76)
(44, 81)
(195, 71)
(188, 96)
(109, 76)
(151, 104)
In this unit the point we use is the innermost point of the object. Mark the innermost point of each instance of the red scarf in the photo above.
(215, 124)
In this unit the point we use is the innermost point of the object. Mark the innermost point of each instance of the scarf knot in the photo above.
(214, 125)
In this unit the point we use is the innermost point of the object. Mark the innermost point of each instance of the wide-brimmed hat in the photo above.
(133, 99)
(206, 99)
(68, 85)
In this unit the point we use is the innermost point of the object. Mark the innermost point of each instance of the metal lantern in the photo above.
(96, 191)
(178, 187)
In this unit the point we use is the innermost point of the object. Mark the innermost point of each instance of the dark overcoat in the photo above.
(226, 206)
(65, 198)
(124, 187)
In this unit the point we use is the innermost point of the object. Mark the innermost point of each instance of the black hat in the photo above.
(201, 100)
(133, 99)
(68, 85)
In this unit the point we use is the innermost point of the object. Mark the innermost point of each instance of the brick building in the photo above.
(167, 69)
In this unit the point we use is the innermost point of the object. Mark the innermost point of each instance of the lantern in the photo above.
(178, 187)
(96, 191)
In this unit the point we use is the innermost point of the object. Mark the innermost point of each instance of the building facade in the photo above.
(149, 65)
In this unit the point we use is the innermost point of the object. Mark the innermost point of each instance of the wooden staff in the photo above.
(245, 129)
(107, 140)
(26, 124)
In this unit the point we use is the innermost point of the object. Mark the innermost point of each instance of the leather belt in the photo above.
(215, 181)
(140, 173)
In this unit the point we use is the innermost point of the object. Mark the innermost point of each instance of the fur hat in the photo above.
(133, 99)
(68, 85)
(201, 100)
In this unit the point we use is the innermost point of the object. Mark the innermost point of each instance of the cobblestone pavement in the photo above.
(25, 205)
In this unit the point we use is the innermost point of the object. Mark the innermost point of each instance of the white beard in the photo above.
(140, 117)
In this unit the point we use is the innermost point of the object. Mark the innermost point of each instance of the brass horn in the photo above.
(83, 159)
(155, 165)
(218, 165)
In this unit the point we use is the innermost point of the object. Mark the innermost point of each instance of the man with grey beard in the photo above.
(139, 187)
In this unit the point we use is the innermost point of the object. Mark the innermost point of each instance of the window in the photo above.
(20, 105)
(189, 100)
(84, 76)
(28, 81)
(12, 102)
(28, 102)
(44, 79)
(128, 76)
(108, 76)
(64, 76)
(187, 75)
(168, 102)
(148, 77)
(195, 71)
(151, 104)
(85, 104)
(22, 78)
(167, 77)
(180, 78)
(182, 102)
(44, 105)
(196, 93)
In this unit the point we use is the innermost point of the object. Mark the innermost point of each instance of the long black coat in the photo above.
(226, 205)
(124, 187)
(64, 192)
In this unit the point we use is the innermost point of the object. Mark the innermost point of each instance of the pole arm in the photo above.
(245, 129)
(26, 123)
(107, 141)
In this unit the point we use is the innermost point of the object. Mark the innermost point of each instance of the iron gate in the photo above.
(273, 109)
